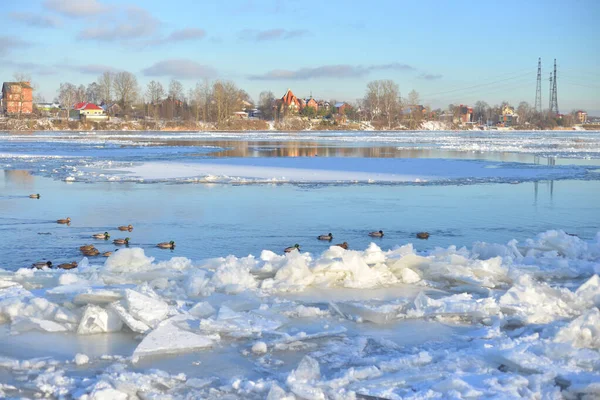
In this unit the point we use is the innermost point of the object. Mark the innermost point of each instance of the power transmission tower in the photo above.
(550, 96)
(538, 88)
(554, 101)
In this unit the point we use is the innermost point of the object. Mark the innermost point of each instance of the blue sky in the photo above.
(449, 51)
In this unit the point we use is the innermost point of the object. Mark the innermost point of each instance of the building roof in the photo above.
(86, 106)
(24, 85)
(339, 104)
(290, 98)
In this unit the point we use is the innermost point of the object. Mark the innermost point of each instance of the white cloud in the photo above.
(330, 71)
(76, 8)
(37, 20)
(180, 68)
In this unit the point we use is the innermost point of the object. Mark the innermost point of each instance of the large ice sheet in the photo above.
(331, 169)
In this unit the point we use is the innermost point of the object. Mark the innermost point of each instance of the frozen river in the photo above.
(502, 299)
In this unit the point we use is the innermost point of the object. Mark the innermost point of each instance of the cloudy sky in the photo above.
(449, 51)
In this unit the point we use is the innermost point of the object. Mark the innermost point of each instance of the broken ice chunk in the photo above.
(98, 320)
(170, 338)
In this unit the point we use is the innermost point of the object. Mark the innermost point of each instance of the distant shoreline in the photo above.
(239, 126)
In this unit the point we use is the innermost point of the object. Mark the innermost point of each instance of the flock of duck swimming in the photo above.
(89, 250)
(329, 237)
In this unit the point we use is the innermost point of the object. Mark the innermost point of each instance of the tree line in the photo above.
(215, 102)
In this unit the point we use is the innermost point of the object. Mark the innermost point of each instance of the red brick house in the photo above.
(17, 98)
(312, 103)
(341, 107)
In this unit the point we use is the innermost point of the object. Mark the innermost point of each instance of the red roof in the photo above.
(86, 106)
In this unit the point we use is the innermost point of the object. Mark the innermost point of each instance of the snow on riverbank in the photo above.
(525, 319)
(333, 169)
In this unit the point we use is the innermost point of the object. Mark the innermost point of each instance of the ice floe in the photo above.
(524, 320)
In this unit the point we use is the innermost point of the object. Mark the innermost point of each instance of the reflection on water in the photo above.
(265, 148)
(17, 177)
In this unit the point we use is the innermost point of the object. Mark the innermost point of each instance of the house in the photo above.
(88, 112)
(465, 114)
(581, 116)
(113, 109)
(290, 101)
(255, 113)
(341, 107)
(240, 115)
(508, 117)
(323, 104)
(17, 98)
(47, 106)
(413, 110)
(312, 103)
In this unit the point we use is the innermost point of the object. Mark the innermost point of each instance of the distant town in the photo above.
(115, 101)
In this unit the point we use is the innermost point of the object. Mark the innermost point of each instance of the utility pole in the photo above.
(538, 88)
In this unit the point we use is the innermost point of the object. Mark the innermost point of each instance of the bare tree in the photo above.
(67, 94)
(525, 112)
(92, 93)
(126, 88)
(105, 87)
(226, 96)
(413, 98)
(154, 93)
(175, 90)
(266, 102)
(80, 94)
(481, 110)
(22, 77)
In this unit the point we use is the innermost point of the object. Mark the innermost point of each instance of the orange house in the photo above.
(290, 100)
(17, 98)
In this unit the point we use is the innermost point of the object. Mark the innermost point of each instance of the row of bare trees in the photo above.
(216, 101)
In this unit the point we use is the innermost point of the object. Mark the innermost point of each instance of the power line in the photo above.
(476, 86)
(493, 88)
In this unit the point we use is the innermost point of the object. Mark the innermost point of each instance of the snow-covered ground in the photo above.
(519, 320)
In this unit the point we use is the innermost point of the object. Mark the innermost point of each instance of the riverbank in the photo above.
(290, 124)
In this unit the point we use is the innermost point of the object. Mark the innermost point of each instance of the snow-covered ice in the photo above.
(515, 320)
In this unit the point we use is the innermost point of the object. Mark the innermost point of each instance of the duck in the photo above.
(325, 237)
(42, 264)
(166, 245)
(121, 241)
(104, 236)
(343, 245)
(91, 252)
(125, 228)
(107, 254)
(86, 247)
(423, 235)
(68, 265)
(34, 196)
(376, 234)
(292, 248)
(64, 221)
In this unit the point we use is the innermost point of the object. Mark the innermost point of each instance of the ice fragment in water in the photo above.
(259, 348)
(144, 308)
(98, 320)
(170, 338)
